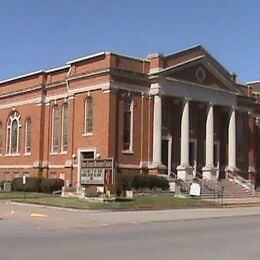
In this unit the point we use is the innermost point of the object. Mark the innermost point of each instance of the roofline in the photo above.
(183, 50)
(22, 76)
(87, 57)
(57, 68)
(129, 56)
(253, 82)
(201, 57)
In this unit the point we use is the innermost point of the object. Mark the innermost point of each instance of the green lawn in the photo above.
(139, 203)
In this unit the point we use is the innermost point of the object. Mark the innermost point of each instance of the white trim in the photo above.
(14, 116)
(129, 166)
(87, 134)
(253, 82)
(184, 89)
(21, 76)
(15, 166)
(12, 154)
(56, 166)
(57, 68)
(87, 57)
(21, 91)
(127, 151)
(183, 50)
(177, 65)
(20, 103)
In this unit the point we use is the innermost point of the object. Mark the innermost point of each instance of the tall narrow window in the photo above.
(1, 138)
(65, 128)
(128, 121)
(28, 135)
(55, 129)
(13, 133)
(89, 115)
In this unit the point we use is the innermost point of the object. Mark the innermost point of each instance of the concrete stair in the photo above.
(230, 190)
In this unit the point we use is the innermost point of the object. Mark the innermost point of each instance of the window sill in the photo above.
(54, 153)
(128, 152)
(63, 152)
(87, 134)
(27, 154)
(12, 154)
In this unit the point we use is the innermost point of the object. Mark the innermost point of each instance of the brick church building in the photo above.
(182, 114)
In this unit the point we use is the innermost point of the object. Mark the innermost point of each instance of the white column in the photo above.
(157, 130)
(184, 170)
(210, 138)
(232, 141)
(209, 169)
(185, 135)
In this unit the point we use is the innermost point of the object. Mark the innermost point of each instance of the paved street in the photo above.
(52, 234)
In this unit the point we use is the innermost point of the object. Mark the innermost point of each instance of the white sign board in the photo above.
(24, 179)
(92, 176)
(195, 189)
(172, 186)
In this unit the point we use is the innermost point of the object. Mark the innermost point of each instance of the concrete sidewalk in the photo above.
(58, 218)
(238, 201)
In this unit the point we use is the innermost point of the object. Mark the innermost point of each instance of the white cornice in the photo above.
(57, 68)
(22, 91)
(21, 76)
(87, 57)
(21, 103)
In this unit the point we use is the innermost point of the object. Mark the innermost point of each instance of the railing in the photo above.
(246, 184)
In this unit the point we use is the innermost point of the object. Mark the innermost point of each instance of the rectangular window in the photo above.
(28, 136)
(55, 130)
(128, 123)
(89, 115)
(65, 128)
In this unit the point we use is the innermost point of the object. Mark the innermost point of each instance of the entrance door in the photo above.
(216, 157)
(193, 155)
(167, 152)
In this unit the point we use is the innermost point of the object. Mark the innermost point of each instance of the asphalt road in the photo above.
(216, 238)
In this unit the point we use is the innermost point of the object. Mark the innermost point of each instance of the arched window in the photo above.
(55, 129)
(89, 115)
(28, 135)
(1, 138)
(65, 128)
(128, 123)
(13, 133)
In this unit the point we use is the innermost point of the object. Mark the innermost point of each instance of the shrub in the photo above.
(32, 184)
(51, 185)
(1, 185)
(149, 182)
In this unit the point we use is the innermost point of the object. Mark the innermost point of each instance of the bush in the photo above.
(51, 185)
(32, 184)
(1, 185)
(124, 182)
(149, 182)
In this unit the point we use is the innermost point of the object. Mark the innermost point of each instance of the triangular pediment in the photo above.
(196, 65)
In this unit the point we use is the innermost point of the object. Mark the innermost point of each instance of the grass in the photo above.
(139, 203)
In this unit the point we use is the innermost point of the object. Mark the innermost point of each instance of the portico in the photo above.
(187, 93)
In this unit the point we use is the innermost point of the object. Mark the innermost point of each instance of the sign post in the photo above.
(24, 183)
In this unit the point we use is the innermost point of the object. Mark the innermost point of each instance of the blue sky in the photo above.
(37, 34)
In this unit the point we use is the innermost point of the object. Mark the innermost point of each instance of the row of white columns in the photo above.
(184, 170)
